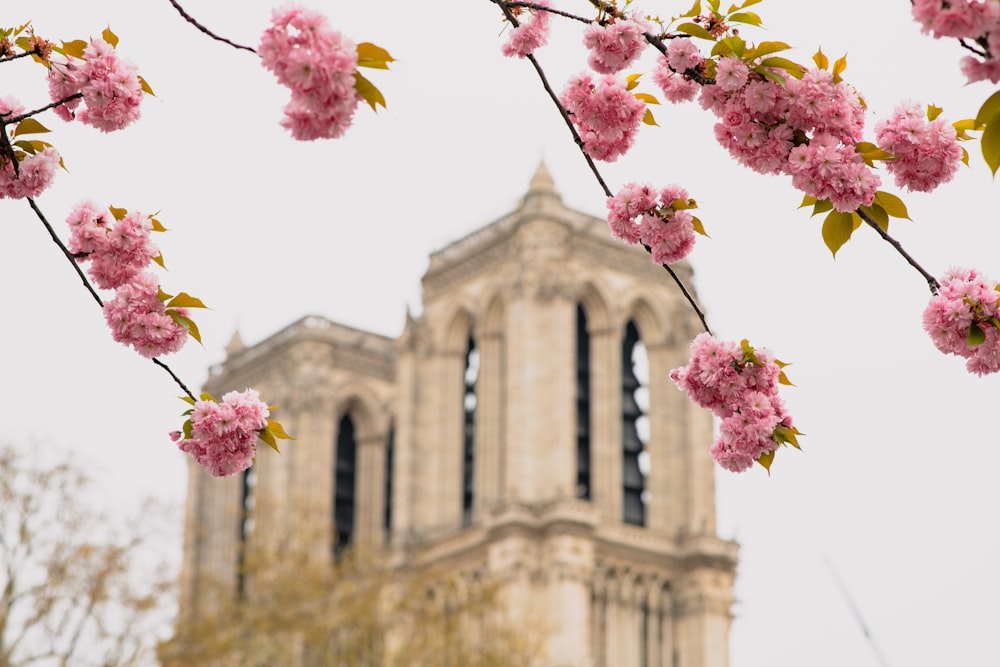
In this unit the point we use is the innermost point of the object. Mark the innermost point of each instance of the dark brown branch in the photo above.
(590, 162)
(90, 288)
(35, 112)
(190, 19)
(932, 282)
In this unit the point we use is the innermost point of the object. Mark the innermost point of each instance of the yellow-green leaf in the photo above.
(159, 260)
(186, 428)
(646, 97)
(185, 322)
(29, 126)
(821, 206)
(821, 60)
(74, 48)
(933, 111)
(764, 48)
(185, 300)
(965, 156)
(695, 30)
(838, 67)
(976, 335)
(748, 3)
(892, 204)
(118, 213)
(368, 91)
(789, 66)
(278, 430)
(878, 214)
(157, 225)
(783, 379)
(110, 37)
(145, 87)
(187, 399)
(699, 227)
(807, 200)
(965, 125)
(632, 80)
(268, 437)
(749, 18)
(989, 111)
(837, 230)
(991, 144)
(694, 11)
(648, 119)
(771, 74)
(371, 55)
(766, 459)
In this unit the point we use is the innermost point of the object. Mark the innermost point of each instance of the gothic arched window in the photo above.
(470, 376)
(345, 467)
(390, 445)
(635, 427)
(247, 500)
(582, 405)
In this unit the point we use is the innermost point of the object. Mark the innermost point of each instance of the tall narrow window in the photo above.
(469, 431)
(635, 428)
(247, 501)
(390, 445)
(345, 472)
(582, 405)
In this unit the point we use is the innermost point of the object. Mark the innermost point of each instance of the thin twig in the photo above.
(29, 114)
(90, 288)
(932, 282)
(190, 19)
(590, 162)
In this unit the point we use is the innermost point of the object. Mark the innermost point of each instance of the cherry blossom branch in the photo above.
(550, 10)
(190, 19)
(24, 54)
(35, 112)
(504, 7)
(932, 282)
(90, 288)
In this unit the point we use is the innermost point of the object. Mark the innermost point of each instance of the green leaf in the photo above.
(837, 230)
(268, 437)
(933, 111)
(187, 399)
(748, 3)
(976, 335)
(749, 18)
(278, 430)
(29, 126)
(185, 300)
(989, 111)
(789, 66)
(110, 37)
(892, 204)
(187, 429)
(185, 322)
(370, 55)
(694, 11)
(821, 60)
(368, 91)
(991, 144)
(695, 30)
(772, 75)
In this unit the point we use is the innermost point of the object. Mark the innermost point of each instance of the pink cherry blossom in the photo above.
(117, 251)
(531, 33)
(615, 46)
(318, 65)
(111, 89)
(138, 318)
(639, 214)
(966, 304)
(223, 435)
(605, 113)
(927, 152)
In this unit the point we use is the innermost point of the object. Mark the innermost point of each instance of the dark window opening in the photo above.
(635, 428)
(247, 501)
(345, 472)
(390, 445)
(582, 405)
(471, 375)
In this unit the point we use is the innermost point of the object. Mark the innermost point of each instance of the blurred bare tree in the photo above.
(77, 589)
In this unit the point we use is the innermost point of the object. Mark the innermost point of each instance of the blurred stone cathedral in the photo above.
(523, 425)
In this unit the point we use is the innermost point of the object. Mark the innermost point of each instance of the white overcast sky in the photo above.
(897, 484)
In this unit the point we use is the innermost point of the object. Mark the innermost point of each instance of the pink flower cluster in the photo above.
(317, 64)
(740, 386)
(762, 125)
(33, 172)
(927, 152)
(640, 214)
(110, 86)
(222, 436)
(119, 254)
(530, 34)
(615, 46)
(137, 317)
(605, 113)
(974, 20)
(962, 319)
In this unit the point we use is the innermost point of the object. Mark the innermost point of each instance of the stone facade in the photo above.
(490, 437)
